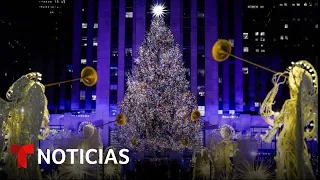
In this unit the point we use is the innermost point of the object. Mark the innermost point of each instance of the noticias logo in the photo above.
(83, 156)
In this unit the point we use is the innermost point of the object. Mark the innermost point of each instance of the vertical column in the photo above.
(252, 80)
(225, 65)
(238, 49)
(75, 96)
(103, 64)
(211, 75)
(89, 50)
(157, 1)
(176, 20)
(121, 49)
(194, 48)
(139, 25)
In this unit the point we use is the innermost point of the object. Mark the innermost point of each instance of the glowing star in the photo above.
(158, 10)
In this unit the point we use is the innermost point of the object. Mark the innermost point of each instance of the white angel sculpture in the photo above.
(22, 118)
(297, 112)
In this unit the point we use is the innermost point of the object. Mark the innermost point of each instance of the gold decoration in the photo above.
(121, 119)
(184, 142)
(89, 76)
(134, 142)
(195, 115)
(221, 50)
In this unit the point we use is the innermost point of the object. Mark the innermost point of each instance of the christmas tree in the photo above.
(158, 104)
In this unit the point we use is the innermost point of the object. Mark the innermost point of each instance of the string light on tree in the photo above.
(158, 10)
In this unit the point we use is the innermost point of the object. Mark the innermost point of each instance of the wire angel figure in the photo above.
(299, 111)
(223, 148)
(22, 118)
(202, 165)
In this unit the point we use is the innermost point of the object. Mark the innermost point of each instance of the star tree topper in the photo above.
(158, 10)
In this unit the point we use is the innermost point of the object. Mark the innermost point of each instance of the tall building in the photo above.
(57, 67)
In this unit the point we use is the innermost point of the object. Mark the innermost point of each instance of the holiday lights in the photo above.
(157, 105)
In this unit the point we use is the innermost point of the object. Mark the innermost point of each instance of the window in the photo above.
(128, 51)
(261, 7)
(245, 35)
(293, 4)
(200, 15)
(94, 97)
(113, 87)
(129, 14)
(113, 110)
(316, 26)
(83, 61)
(257, 50)
(201, 90)
(220, 80)
(202, 110)
(82, 95)
(286, 26)
(231, 111)
(262, 33)
(286, 37)
(281, 37)
(95, 42)
(84, 25)
(285, 4)
(114, 53)
(231, 42)
(257, 104)
(245, 49)
(298, 4)
(201, 72)
(262, 39)
(245, 70)
(262, 50)
(220, 111)
(256, 33)
(305, 4)
(95, 25)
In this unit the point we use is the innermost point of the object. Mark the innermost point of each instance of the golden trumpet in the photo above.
(89, 77)
(221, 50)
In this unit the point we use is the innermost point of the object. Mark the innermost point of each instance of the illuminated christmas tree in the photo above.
(159, 111)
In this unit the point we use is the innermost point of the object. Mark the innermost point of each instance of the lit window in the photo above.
(201, 72)
(310, 3)
(200, 15)
(293, 4)
(281, 37)
(129, 14)
(261, 7)
(316, 26)
(202, 110)
(113, 110)
(262, 39)
(232, 111)
(280, 4)
(261, 45)
(245, 35)
(256, 104)
(262, 50)
(220, 80)
(201, 90)
(6, 74)
(115, 53)
(220, 111)
(95, 25)
(262, 33)
(245, 70)
(257, 50)
(128, 51)
(286, 26)
(84, 25)
(245, 49)
(298, 19)
(82, 95)
(231, 42)
(305, 4)
(286, 37)
(95, 42)
(256, 33)
(285, 4)
(94, 97)
(188, 71)
(83, 61)
(113, 87)
(256, 39)
(298, 4)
